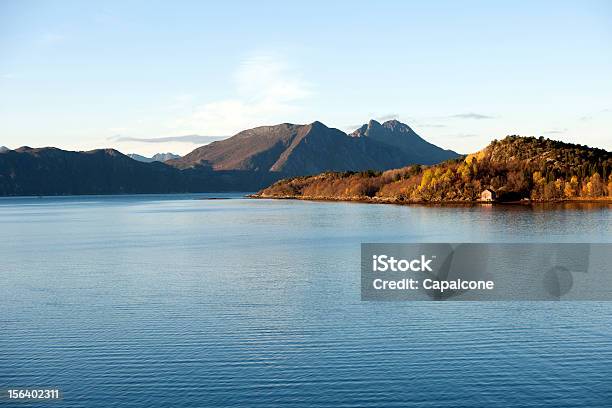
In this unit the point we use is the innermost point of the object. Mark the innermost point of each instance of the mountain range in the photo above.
(160, 157)
(248, 161)
(309, 149)
(51, 171)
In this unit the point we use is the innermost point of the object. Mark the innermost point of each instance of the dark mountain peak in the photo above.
(317, 124)
(320, 127)
(376, 130)
(401, 136)
(374, 127)
(259, 132)
(359, 132)
(106, 152)
(367, 128)
(396, 125)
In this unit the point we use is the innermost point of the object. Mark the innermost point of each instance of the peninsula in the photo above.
(511, 170)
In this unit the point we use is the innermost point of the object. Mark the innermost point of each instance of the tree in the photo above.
(570, 190)
(595, 186)
(551, 191)
(539, 182)
(426, 179)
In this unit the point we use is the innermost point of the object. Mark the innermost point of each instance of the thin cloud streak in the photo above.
(554, 131)
(428, 125)
(471, 115)
(193, 139)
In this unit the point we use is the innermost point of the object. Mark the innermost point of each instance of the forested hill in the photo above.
(514, 168)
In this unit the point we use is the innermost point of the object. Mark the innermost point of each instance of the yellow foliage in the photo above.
(426, 180)
(537, 178)
(448, 176)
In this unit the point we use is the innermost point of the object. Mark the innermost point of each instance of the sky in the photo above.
(147, 77)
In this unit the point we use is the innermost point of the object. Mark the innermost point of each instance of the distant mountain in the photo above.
(4, 149)
(160, 157)
(142, 159)
(401, 136)
(163, 157)
(52, 171)
(292, 150)
(514, 168)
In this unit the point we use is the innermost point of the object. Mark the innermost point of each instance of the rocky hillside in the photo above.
(292, 150)
(402, 137)
(514, 168)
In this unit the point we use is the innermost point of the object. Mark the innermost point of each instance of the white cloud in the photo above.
(471, 115)
(554, 131)
(266, 90)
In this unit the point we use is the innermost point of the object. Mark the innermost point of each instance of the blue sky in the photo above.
(83, 75)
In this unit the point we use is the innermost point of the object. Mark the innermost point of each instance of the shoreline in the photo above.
(394, 201)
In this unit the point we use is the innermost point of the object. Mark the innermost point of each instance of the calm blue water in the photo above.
(179, 301)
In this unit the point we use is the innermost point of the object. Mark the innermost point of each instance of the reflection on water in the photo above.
(178, 301)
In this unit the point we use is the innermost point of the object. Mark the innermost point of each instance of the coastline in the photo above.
(395, 201)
